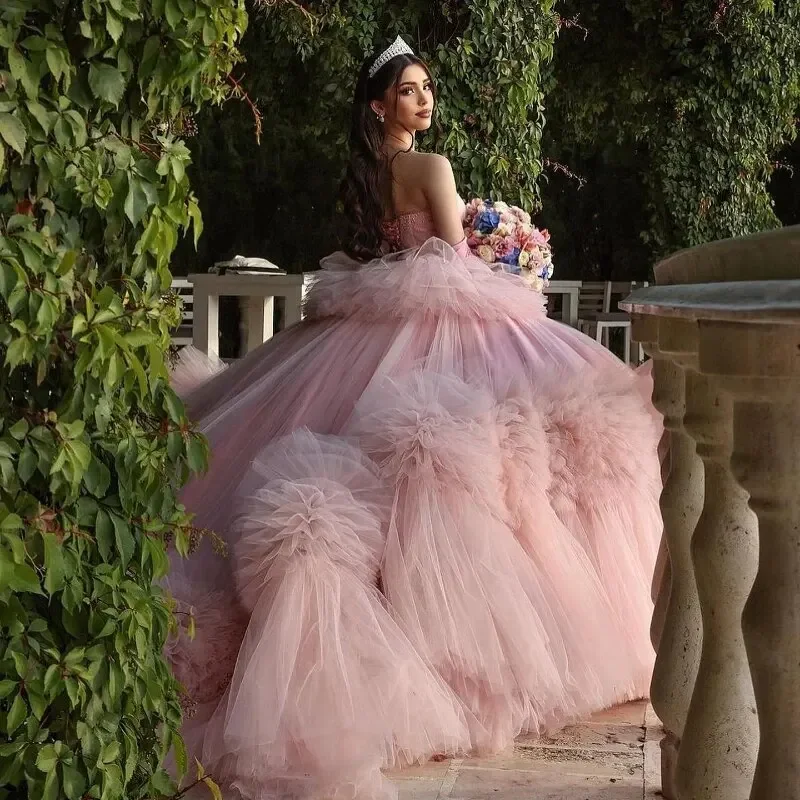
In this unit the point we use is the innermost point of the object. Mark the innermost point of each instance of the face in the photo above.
(410, 103)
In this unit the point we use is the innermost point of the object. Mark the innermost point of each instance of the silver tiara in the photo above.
(397, 48)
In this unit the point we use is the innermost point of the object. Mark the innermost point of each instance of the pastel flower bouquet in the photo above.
(502, 234)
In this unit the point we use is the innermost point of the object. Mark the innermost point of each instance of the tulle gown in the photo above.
(441, 515)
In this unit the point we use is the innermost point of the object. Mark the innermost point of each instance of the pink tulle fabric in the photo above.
(441, 509)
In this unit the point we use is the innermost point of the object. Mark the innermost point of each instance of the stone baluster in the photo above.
(762, 369)
(720, 739)
(644, 331)
(678, 648)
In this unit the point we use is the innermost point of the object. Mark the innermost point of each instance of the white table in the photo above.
(259, 291)
(570, 293)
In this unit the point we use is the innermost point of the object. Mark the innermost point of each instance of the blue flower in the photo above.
(487, 221)
(512, 258)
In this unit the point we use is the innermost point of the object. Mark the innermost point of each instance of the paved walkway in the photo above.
(613, 756)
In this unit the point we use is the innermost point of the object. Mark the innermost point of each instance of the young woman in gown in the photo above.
(440, 506)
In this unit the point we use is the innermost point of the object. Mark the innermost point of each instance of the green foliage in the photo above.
(707, 93)
(93, 443)
(279, 199)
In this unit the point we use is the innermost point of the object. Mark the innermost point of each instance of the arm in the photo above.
(440, 192)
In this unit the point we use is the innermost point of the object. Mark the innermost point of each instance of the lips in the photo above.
(424, 114)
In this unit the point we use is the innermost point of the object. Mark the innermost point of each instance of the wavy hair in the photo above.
(367, 181)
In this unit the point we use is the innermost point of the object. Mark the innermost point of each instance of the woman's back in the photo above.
(418, 178)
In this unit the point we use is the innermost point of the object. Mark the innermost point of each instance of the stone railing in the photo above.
(723, 329)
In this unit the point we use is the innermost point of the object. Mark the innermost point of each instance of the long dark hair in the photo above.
(367, 182)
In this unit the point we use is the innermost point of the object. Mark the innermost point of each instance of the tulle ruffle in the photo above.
(192, 369)
(327, 689)
(430, 280)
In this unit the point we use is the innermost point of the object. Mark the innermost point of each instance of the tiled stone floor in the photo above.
(612, 756)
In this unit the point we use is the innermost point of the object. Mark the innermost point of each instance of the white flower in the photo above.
(524, 258)
(533, 281)
(486, 253)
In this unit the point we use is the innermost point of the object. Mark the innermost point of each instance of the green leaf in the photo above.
(174, 14)
(131, 758)
(73, 781)
(6, 687)
(137, 338)
(114, 26)
(213, 788)
(8, 278)
(53, 563)
(97, 478)
(22, 70)
(52, 680)
(174, 445)
(67, 263)
(38, 704)
(104, 533)
(107, 83)
(57, 62)
(197, 221)
(77, 125)
(13, 132)
(181, 757)
(16, 714)
(126, 544)
(17, 577)
(26, 465)
(19, 430)
(196, 454)
(174, 406)
(9, 522)
(41, 115)
(51, 786)
(136, 202)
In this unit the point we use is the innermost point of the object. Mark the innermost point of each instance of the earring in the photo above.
(381, 118)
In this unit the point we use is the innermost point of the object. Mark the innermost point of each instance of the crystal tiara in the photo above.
(397, 48)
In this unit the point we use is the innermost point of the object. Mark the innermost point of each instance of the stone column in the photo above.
(681, 504)
(761, 365)
(720, 739)
(644, 330)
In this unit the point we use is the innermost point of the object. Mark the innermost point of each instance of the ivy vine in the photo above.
(94, 445)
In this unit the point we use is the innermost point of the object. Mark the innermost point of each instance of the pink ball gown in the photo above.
(441, 512)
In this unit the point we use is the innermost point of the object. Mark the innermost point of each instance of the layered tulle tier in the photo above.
(433, 279)
(442, 521)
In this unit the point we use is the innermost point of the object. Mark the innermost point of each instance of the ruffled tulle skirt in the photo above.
(441, 510)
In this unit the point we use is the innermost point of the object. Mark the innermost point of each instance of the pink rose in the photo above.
(504, 248)
(522, 216)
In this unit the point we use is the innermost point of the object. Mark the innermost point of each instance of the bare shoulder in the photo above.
(435, 165)
(423, 167)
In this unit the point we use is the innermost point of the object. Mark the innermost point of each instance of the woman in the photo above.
(440, 506)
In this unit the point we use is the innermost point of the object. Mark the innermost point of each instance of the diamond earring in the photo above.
(381, 118)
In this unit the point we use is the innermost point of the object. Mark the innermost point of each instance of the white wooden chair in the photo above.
(183, 335)
(595, 315)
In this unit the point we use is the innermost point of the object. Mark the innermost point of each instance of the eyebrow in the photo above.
(413, 83)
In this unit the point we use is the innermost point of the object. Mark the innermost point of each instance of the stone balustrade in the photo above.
(723, 329)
